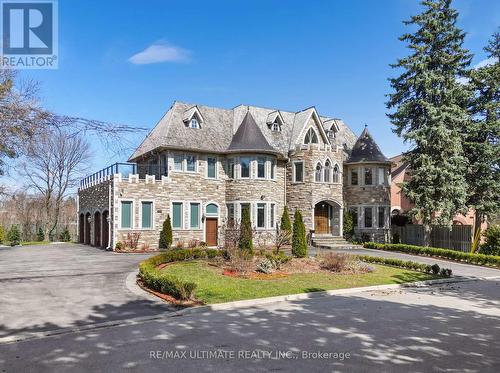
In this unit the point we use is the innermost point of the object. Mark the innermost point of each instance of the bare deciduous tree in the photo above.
(53, 164)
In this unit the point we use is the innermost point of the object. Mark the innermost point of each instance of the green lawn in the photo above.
(213, 287)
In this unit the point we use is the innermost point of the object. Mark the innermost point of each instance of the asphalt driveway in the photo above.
(52, 287)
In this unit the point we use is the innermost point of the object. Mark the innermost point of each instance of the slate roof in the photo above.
(366, 150)
(219, 130)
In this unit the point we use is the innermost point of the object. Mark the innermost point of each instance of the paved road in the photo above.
(51, 287)
(452, 327)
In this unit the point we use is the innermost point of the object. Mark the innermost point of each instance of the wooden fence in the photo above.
(459, 237)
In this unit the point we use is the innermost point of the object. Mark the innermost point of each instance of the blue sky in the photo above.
(334, 55)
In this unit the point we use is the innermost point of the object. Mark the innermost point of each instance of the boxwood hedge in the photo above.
(407, 264)
(479, 259)
(165, 283)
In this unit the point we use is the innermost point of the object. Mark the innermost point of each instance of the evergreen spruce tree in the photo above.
(2, 234)
(482, 137)
(286, 224)
(166, 234)
(429, 111)
(40, 236)
(14, 236)
(245, 242)
(299, 242)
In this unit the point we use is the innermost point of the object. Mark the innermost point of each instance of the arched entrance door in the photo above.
(81, 228)
(105, 229)
(87, 228)
(327, 218)
(97, 229)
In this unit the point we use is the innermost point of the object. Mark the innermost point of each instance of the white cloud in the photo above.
(486, 62)
(160, 52)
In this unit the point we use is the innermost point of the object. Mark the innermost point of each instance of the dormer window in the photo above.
(275, 121)
(193, 123)
(311, 137)
(276, 127)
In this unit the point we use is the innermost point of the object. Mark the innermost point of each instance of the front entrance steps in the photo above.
(332, 242)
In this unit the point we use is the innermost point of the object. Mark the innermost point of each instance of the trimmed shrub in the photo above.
(65, 235)
(14, 236)
(286, 224)
(245, 242)
(40, 236)
(348, 227)
(2, 234)
(166, 234)
(119, 246)
(479, 259)
(407, 264)
(168, 284)
(299, 242)
(492, 244)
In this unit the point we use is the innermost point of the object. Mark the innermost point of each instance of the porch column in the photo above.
(341, 220)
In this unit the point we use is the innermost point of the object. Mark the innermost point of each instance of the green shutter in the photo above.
(177, 215)
(127, 214)
(195, 215)
(147, 209)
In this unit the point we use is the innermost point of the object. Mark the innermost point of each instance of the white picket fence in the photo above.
(459, 237)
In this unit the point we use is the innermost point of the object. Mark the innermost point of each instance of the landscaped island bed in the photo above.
(194, 276)
(212, 286)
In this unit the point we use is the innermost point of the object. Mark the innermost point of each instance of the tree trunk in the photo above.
(427, 234)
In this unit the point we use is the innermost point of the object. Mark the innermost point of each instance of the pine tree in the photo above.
(299, 242)
(286, 224)
(430, 113)
(2, 234)
(40, 236)
(482, 137)
(166, 234)
(65, 235)
(245, 242)
(14, 236)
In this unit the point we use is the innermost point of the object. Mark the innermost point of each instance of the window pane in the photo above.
(354, 176)
(368, 217)
(381, 217)
(272, 168)
(127, 214)
(230, 168)
(317, 176)
(195, 215)
(368, 176)
(245, 166)
(261, 215)
(273, 207)
(177, 215)
(299, 170)
(230, 214)
(164, 165)
(146, 213)
(245, 206)
(212, 209)
(261, 167)
(354, 213)
(381, 176)
(191, 163)
(178, 158)
(211, 167)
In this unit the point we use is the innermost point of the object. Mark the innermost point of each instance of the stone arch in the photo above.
(105, 229)
(87, 228)
(81, 228)
(97, 229)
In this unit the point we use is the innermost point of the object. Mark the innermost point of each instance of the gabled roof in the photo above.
(271, 118)
(189, 113)
(249, 137)
(331, 123)
(301, 120)
(366, 150)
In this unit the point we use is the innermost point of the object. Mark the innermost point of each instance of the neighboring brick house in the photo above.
(401, 205)
(203, 165)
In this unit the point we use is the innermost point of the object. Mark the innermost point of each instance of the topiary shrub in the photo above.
(348, 225)
(245, 242)
(166, 234)
(40, 235)
(14, 236)
(492, 243)
(65, 235)
(299, 242)
(286, 224)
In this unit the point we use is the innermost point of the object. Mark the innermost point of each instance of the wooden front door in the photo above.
(321, 218)
(211, 227)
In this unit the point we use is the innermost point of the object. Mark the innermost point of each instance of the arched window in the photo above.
(336, 174)
(317, 176)
(311, 137)
(212, 209)
(327, 171)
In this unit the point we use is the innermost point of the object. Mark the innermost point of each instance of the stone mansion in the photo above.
(203, 166)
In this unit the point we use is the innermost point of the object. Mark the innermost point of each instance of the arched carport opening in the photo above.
(87, 229)
(105, 229)
(97, 229)
(81, 228)
(327, 218)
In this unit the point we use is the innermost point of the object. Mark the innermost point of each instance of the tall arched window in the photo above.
(336, 174)
(317, 174)
(327, 171)
(311, 137)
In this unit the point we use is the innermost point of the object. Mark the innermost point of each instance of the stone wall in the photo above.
(90, 200)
